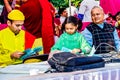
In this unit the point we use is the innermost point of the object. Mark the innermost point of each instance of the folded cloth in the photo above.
(30, 52)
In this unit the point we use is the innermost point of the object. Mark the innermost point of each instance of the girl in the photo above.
(71, 40)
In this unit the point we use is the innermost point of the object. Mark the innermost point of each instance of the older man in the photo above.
(100, 34)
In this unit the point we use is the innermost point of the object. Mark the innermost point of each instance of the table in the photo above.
(111, 71)
(20, 70)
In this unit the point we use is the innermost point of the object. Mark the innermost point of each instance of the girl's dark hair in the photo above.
(71, 19)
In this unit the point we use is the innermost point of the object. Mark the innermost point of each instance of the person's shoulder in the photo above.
(105, 23)
(90, 25)
(110, 26)
(63, 34)
(4, 30)
(78, 34)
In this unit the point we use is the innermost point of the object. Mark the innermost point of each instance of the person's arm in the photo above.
(88, 36)
(82, 10)
(85, 47)
(7, 57)
(58, 45)
(56, 48)
(117, 40)
(7, 5)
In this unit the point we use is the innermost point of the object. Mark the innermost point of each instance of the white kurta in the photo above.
(74, 11)
(85, 9)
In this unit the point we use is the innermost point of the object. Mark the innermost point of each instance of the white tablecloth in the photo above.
(109, 72)
(19, 70)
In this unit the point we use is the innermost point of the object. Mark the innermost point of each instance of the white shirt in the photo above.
(62, 19)
(85, 9)
(74, 11)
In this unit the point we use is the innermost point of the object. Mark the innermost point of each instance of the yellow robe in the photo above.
(9, 42)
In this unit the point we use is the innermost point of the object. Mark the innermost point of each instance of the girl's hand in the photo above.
(76, 51)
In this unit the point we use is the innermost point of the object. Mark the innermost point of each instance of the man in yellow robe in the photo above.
(13, 40)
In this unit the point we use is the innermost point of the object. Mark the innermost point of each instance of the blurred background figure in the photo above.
(39, 21)
(85, 9)
(63, 14)
(78, 6)
(72, 11)
(8, 6)
(110, 19)
(117, 18)
(1, 7)
(117, 24)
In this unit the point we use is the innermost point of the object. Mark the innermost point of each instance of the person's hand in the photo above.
(16, 54)
(76, 51)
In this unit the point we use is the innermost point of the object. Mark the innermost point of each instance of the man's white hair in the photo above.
(97, 7)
